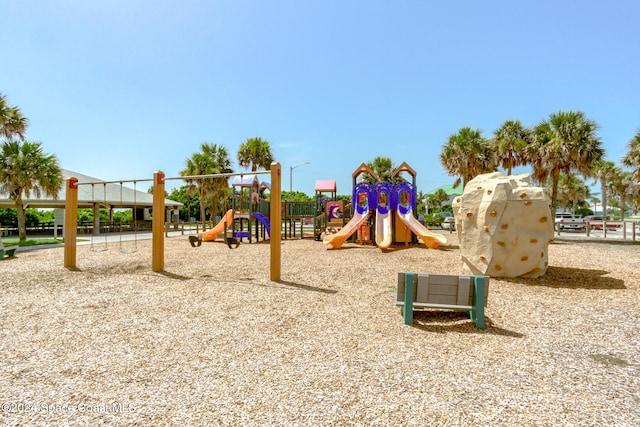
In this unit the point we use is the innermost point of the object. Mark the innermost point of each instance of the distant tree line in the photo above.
(557, 150)
(563, 151)
(25, 168)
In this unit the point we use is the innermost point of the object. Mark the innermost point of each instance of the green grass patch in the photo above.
(32, 242)
(609, 360)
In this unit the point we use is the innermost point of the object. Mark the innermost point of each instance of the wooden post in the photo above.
(71, 223)
(408, 299)
(157, 223)
(276, 224)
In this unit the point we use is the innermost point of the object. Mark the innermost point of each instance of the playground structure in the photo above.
(329, 213)
(377, 203)
(248, 217)
(158, 221)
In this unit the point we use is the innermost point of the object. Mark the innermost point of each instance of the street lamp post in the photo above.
(291, 168)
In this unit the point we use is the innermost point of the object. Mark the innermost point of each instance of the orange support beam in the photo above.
(71, 223)
(157, 223)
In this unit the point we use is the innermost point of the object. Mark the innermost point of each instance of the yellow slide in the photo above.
(384, 236)
(432, 240)
(211, 235)
(335, 241)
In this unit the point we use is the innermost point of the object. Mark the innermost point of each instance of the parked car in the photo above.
(449, 223)
(567, 221)
(596, 222)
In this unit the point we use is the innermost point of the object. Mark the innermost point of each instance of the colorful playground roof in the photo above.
(326, 185)
(245, 180)
(250, 180)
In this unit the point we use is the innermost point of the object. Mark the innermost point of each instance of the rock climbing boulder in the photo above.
(504, 226)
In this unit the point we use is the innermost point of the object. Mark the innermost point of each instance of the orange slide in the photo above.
(335, 241)
(432, 240)
(211, 235)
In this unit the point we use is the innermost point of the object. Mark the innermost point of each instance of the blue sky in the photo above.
(118, 89)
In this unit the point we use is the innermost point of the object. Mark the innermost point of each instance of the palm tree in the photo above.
(605, 171)
(221, 191)
(634, 201)
(467, 154)
(255, 153)
(565, 143)
(572, 192)
(624, 188)
(26, 169)
(383, 167)
(595, 200)
(632, 158)
(509, 142)
(12, 122)
(438, 198)
(212, 159)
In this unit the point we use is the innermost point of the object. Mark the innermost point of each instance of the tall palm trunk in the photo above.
(203, 215)
(22, 220)
(603, 190)
(555, 178)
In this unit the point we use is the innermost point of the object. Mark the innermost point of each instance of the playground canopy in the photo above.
(245, 180)
(249, 181)
(326, 185)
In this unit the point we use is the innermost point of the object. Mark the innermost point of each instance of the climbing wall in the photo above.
(504, 226)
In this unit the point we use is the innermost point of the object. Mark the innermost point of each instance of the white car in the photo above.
(449, 223)
(566, 221)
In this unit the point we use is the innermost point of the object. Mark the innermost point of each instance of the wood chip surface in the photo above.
(212, 341)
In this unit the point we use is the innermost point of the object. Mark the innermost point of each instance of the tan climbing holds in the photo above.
(505, 222)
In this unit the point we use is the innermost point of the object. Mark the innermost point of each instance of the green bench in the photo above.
(9, 251)
(443, 291)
